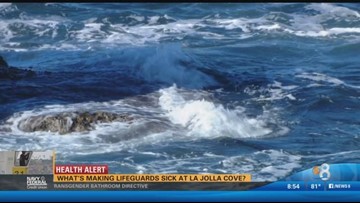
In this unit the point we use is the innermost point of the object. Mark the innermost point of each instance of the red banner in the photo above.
(81, 169)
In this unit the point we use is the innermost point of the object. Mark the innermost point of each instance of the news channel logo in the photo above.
(323, 171)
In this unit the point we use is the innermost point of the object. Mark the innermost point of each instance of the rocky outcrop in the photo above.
(13, 73)
(69, 122)
(3, 63)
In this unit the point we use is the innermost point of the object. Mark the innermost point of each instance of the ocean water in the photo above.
(266, 89)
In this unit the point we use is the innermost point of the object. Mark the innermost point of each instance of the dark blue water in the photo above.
(266, 89)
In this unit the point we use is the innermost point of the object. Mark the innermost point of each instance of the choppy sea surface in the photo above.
(266, 89)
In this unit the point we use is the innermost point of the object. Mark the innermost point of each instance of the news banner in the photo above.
(97, 177)
(44, 176)
(324, 177)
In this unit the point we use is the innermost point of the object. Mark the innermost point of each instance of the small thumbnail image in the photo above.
(26, 162)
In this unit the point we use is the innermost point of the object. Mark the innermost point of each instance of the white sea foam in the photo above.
(206, 119)
(300, 24)
(350, 154)
(333, 10)
(137, 18)
(269, 165)
(4, 5)
(153, 19)
(269, 27)
(265, 165)
(7, 8)
(150, 30)
(315, 25)
(319, 77)
(5, 34)
(36, 27)
(169, 115)
(275, 91)
(90, 33)
(324, 33)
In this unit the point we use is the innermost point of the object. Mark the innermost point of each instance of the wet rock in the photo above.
(13, 73)
(3, 63)
(69, 122)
